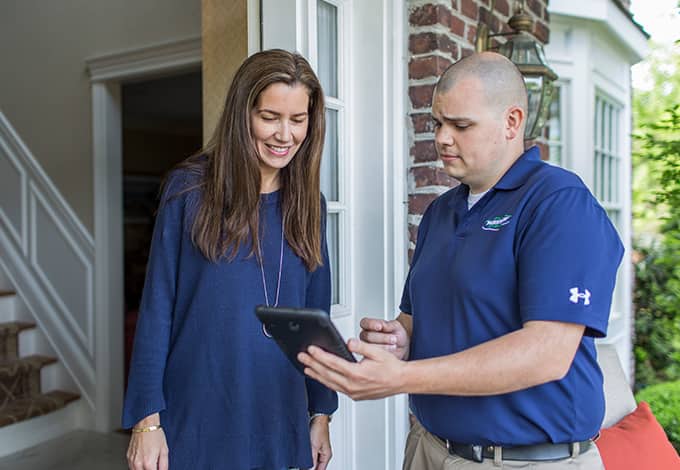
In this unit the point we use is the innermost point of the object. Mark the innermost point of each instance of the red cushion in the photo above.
(637, 442)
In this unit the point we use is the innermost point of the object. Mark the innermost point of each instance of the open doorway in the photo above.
(162, 124)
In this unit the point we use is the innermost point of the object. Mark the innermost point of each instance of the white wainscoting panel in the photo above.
(48, 257)
(12, 195)
(62, 267)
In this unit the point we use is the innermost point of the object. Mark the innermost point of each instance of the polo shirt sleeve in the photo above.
(568, 253)
(320, 398)
(405, 304)
(152, 336)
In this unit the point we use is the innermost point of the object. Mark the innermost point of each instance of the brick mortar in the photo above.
(438, 29)
(432, 28)
(434, 164)
(435, 53)
(414, 4)
(412, 111)
(423, 136)
(422, 81)
(432, 189)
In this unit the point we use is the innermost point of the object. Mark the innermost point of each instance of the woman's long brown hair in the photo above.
(228, 213)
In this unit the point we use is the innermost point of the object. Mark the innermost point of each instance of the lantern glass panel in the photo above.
(535, 91)
(544, 109)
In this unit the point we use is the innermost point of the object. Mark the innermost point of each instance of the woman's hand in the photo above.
(321, 442)
(148, 450)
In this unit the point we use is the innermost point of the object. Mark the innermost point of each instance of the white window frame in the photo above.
(611, 199)
(341, 206)
(562, 89)
(607, 155)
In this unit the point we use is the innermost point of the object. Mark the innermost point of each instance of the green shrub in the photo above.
(657, 252)
(657, 316)
(664, 399)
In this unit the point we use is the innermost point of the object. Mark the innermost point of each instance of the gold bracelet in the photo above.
(314, 415)
(147, 429)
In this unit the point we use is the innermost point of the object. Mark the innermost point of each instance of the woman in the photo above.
(239, 225)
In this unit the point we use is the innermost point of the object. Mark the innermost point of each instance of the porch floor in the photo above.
(78, 450)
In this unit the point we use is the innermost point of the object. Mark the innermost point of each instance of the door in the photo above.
(357, 49)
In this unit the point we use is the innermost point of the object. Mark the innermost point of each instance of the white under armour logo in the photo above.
(576, 295)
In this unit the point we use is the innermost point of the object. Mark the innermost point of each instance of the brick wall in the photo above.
(440, 33)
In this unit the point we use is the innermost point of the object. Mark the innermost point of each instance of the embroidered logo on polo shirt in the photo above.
(495, 224)
(576, 296)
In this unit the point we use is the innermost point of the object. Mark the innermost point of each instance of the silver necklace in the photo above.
(264, 280)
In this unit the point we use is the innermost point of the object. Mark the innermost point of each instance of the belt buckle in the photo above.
(467, 451)
(476, 452)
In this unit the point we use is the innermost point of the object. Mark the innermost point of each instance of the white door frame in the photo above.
(374, 36)
(106, 75)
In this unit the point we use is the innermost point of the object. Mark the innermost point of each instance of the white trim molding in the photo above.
(107, 73)
(610, 16)
(395, 203)
(165, 57)
(49, 261)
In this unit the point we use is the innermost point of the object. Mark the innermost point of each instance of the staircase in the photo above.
(32, 383)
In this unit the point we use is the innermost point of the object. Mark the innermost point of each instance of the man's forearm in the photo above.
(538, 353)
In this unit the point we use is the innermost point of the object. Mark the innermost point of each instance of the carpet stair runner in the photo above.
(21, 395)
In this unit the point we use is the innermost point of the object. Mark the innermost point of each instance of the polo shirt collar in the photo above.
(520, 171)
(515, 177)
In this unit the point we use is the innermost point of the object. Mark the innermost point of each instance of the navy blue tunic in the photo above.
(537, 246)
(228, 397)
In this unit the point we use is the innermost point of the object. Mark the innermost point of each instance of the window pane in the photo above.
(598, 120)
(329, 159)
(603, 177)
(614, 217)
(596, 174)
(555, 131)
(556, 154)
(555, 127)
(333, 253)
(327, 37)
(605, 126)
(616, 181)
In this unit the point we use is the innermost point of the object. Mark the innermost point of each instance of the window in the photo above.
(556, 130)
(607, 161)
(607, 187)
(327, 55)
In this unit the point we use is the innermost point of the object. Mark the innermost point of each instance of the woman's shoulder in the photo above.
(183, 180)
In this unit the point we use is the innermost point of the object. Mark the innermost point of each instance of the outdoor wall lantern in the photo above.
(526, 52)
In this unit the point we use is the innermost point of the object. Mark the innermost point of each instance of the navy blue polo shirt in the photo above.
(537, 246)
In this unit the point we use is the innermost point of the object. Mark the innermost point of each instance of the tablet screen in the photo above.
(295, 329)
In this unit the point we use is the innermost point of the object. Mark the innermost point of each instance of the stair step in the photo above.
(9, 338)
(20, 378)
(36, 405)
(34, 361)
(15, 326)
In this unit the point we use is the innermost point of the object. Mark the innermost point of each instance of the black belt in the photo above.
(537, 452)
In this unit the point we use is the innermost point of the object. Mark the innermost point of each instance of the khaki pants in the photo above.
(426, 452)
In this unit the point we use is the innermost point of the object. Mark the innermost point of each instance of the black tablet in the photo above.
(295, 329)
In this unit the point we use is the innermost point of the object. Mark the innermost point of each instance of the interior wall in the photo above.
(44, 87)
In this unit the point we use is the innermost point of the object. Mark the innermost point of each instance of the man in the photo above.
(511, 280)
